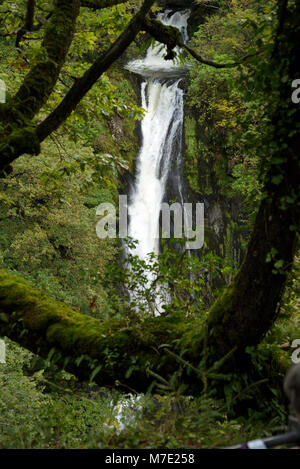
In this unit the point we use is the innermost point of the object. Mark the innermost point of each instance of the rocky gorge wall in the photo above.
(206, 177)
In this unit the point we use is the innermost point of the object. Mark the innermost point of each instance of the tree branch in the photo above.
(167, 35)
(30, 15)
(84, 84)
(171, 37)
(29, 25)
(19, 141)
(80, 343)
(211, 63)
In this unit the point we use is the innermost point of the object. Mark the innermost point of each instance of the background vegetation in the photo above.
(47, 232)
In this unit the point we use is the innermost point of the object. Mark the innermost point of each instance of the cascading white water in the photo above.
(161, 128)
(154, 63)
(164, 105)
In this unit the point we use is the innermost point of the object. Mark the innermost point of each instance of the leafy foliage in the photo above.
(42, 409)
(231, 102)
(47, 218)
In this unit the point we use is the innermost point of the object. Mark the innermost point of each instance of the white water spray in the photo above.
(161, 128)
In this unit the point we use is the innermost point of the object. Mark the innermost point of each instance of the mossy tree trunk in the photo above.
(42, 77)
(249, 306)
(20, 134)
(117, 351)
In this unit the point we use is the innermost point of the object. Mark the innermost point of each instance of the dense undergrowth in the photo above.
(44, 408)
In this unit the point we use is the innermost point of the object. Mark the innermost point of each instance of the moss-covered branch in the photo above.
(167, 35)
(211, 63)
(19, 141)
(171, 37)
(41, 79)
(82, 344)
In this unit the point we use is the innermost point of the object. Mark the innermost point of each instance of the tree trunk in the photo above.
(42, 77)
(249, 306)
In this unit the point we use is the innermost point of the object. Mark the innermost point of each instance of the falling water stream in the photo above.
(161, 129)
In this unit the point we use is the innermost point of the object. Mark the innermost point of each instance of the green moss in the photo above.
(191, 153)
(165, 34)
(40, 80)
(41, 324)
(18, 142)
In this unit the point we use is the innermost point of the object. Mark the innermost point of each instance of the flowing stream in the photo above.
(161, 128)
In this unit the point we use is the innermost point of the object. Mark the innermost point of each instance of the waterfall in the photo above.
(161, 128)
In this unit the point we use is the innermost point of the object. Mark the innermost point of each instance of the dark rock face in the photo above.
(204, 170)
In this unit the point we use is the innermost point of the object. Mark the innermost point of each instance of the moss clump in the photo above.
(19, 142)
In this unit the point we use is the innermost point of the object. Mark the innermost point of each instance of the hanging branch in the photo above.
(171, 37)
(204, 61)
